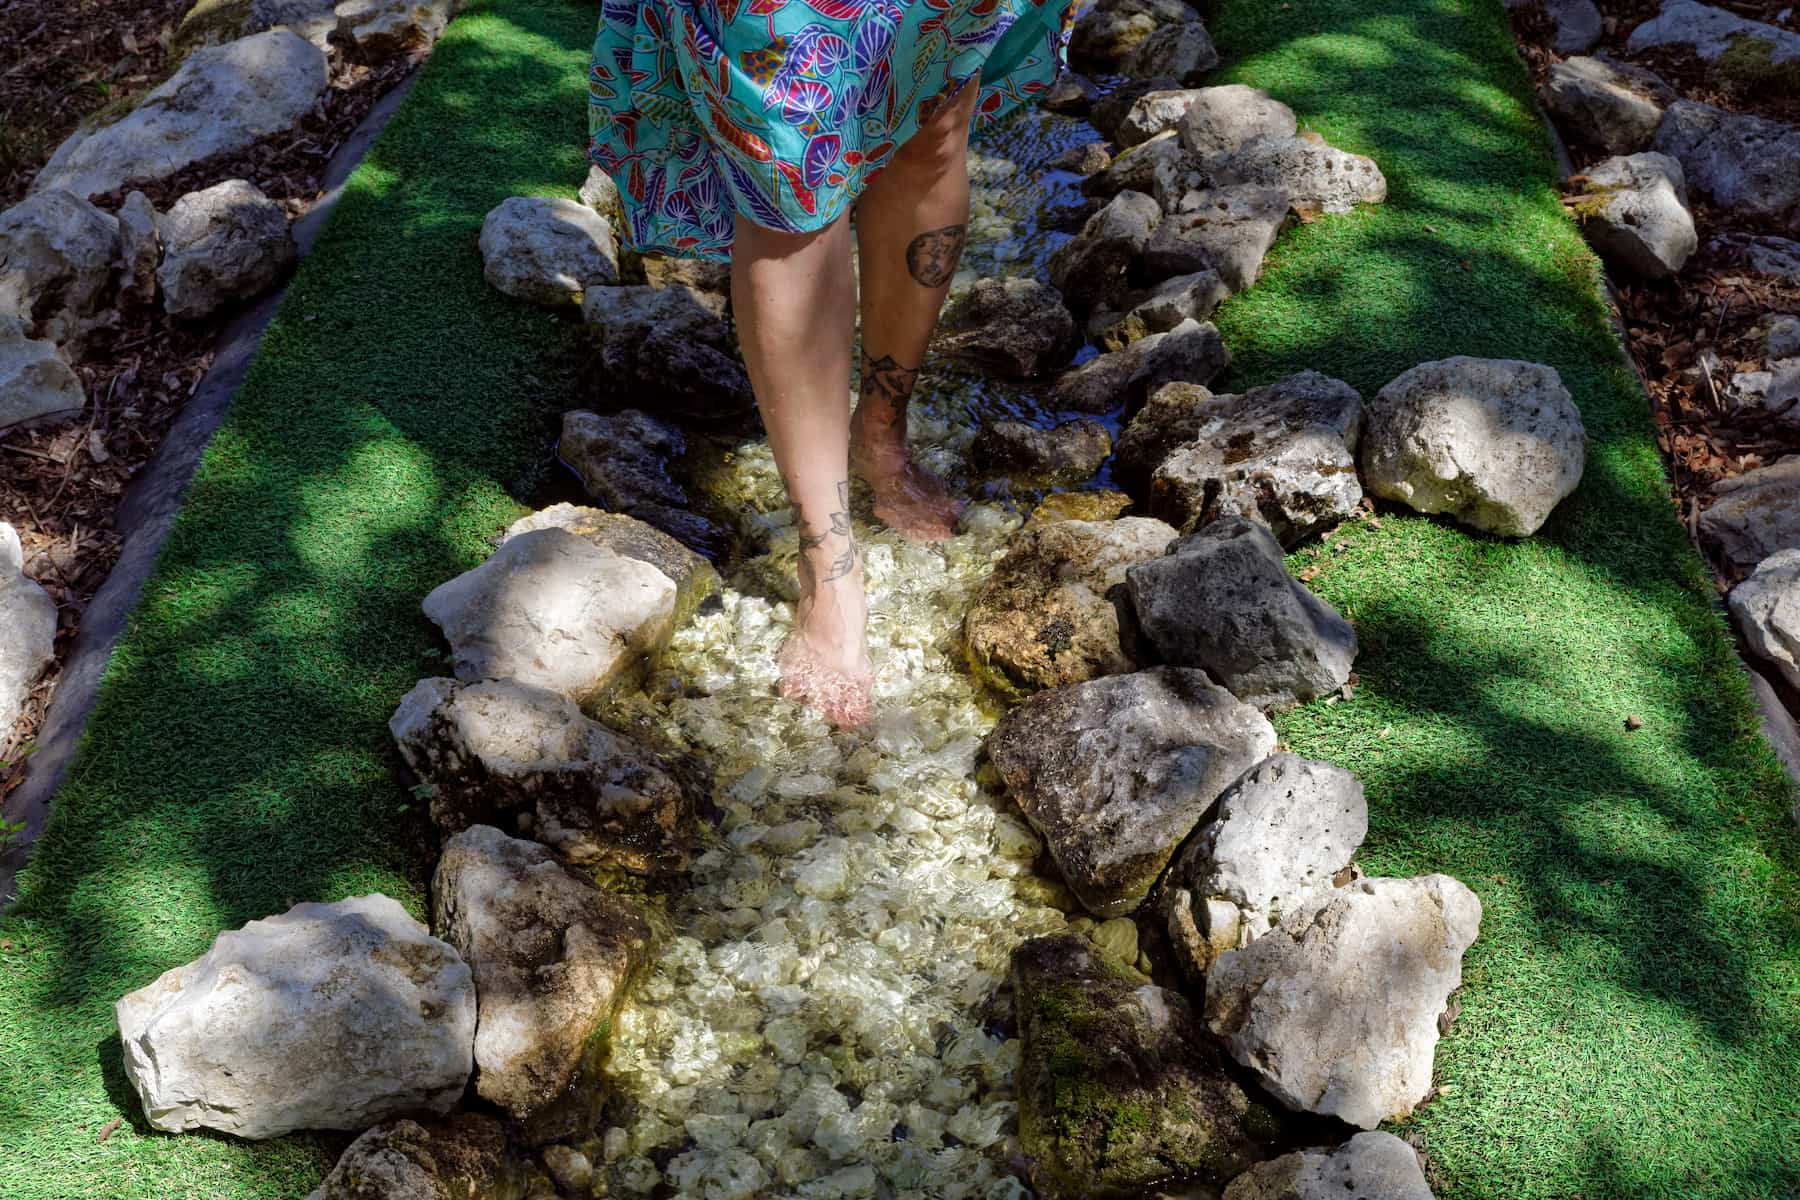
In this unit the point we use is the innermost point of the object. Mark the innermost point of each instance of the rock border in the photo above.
(147, 511)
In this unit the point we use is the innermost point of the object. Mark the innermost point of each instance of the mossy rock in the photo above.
(210, 22)
(1119, 1087)
(1749, 68)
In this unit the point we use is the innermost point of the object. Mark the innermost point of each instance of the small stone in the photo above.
(600, 193)
(1370, 1166)
(547, 251)
(1610, 105)
(668, 347)
(56, 260)
(377, 1019)
(569, 1167)
(1766, 607)
(1634, 722)
(228, 242)
(1781, 336)
(1754, 515)
(1182, 51)
(1227, 230)
(1192, 352)
(555, 610)
(1634, 212)
(1070, 450)
(27, 627)
(1336, 1009)
(140, 249)
(1116, 772)
(1496, 443)
(1085, 159)
(1046, 616)
(1071, 94)
(502, 751)
(461, 1155)
(1103, 38)
(1152, 113)
(1576, 25)
(1014, 327)
(212, 22)
(1077, 506)
(37, 385)
(1222, 600)
(1219, 120)
(1741, 162)
(384, 29)
(1135, 170)
(1091, 266)
(1118, 938)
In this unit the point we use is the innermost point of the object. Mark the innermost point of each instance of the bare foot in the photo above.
(913, 501)
(824, 660)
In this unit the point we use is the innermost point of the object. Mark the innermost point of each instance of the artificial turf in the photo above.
(1627, 1028)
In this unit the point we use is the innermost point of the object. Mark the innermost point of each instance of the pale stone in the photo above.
(1154, 112)
(328, 1016)
(1712, 33)
(210, 22)
(1496, 443)
(27, 631)
(1116, 772)
(140, 249)
(226, 243)
(1218, 120)
(57, 253)
(1135, 170)
(1767, 609)
(1316, 175)
(600, 193)
(221, 100)
(1227, 230)
(36, 382)
(1633, 210)
(547, 250)
(1370, 1166)
(694, 576)
(1610, 105)
(553, 609)
(1336, 1009)
(383, 29)
(1754, 515)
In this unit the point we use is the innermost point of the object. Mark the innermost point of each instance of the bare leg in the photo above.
(794, 300)
(910, 224)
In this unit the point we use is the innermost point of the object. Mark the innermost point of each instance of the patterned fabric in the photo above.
(784, 109)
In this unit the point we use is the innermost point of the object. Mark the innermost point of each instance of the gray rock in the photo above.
(555, 610)
(1613, 106)
(1171, 416)
(1227, 230)
(1222, 600)
(551, 955)
(1015, 327)
(228, 242)
(695, 578)
(1104, 38)
(1336, 1009)
(1279, 836)
(600, 193)
(709, 281)
(1775, 391)
(1071, 94)
(1046, 616)
(27, 632)
(221, 100)
(1634, 212)
(627, 461)
(1092, 265)
(547, 251)
(1317, 176)
(1116, 772)
(1781, 338)
(668, 347)
(1755, 514)
(1135, 170)
(1712, 33)
(210, 22)
(502, 752)
(1071, 450)
(329, 1016)
(1370, 1166)
(1189, 297)
(57, 253)
(1182, 51)
(1741, 162)
(1219, 120)
(1192, 352)
(37, 385)
(464, 1155)
(1773, 256)
(1767, 609)
(384, 29)
(1154, 112)
(1284, 455)
(1156, 1100)
(1496, 443)
(1576, 25)
(1086, 159)
(140, 249)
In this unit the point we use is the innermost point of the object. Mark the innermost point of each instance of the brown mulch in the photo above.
(1689, 335)
(60, 485)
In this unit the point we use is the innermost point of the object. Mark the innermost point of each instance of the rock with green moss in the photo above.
(210, 22)
(1746, 55)
(1119, 1088)
(1633, 209)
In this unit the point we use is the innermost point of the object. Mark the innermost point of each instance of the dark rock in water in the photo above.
(668, 348)
(1136, 169)
(1183, 51)
(1117, 771)
(1192, 352)
(1119, 1088)
(1170, 417)
(1090, 505)
(627, 461)
(1015, 327)
(503, 753)
(458, 1158)
(1071, 95)
(1190, 297)
(1086, 159)
(1284, 455)
(1071, 450)
(1221, 599)
(1092, 265)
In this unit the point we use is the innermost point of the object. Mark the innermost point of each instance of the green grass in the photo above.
(1628, 1024)
(1629, 1017)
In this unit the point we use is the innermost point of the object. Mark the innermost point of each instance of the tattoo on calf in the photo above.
(845, 562)
(932, 256)
(885, 378)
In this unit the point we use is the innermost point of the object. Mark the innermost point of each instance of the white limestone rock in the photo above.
(36, 382)
(1152, 113)
(600, 193)
(551, 955)
(547, 250)
(210, 22)
(228, 242)
(1370, 1166)
(1634, 211)
(1336, 1009)
(27, 631)
(221, 100)
(384, 29)
(1227, 230)
(1135, 170)
(1192, 352)
(1218, 120)
(1767, 609)
(1496, 443)
(56, 261)
(1317, 176)
(1611, 105)
(328, 1016)
(553, 609)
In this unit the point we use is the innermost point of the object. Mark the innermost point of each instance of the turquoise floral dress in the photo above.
(783, 109)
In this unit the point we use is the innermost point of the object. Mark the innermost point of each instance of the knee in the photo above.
(941, 144)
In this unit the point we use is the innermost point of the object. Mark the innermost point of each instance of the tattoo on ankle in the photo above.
(932, 257)
(845, 562)
(884, 378)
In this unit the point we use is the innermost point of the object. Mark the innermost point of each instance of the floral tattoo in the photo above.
(845, 562)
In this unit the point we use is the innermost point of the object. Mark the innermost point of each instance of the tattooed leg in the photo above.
(911, 223)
